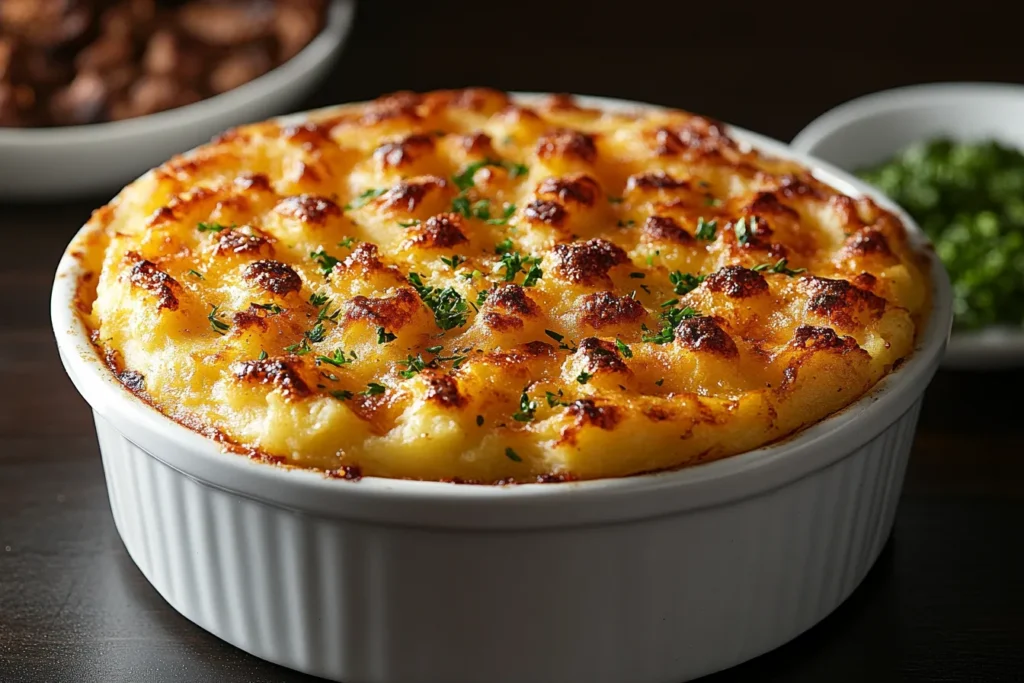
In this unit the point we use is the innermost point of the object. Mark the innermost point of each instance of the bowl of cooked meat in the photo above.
(94, 92)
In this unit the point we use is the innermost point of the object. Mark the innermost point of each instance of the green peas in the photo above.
(969, 199)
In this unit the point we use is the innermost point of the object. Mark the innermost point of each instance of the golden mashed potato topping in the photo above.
(457, 286)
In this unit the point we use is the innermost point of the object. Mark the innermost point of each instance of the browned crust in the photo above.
(308, 208)
(238, 241)
(443, 231)
(588, 262)
(654, 180)
(564, 143)
(605, 309)
(545, 211)
(736, 282)
(280, 373)
(392, 312)
(579, 188)
(404, 152)
(409, 194)
(840, 301)
(273, 276)
(601, 356)
(145, 275)
(704, 334)
(665, 229)
(443, 389)
(823, 339)
(509, 297)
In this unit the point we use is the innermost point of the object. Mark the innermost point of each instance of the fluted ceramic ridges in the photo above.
(657, 600)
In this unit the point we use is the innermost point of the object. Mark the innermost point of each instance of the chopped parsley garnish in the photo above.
(571, 346)
(210, 227)
(481, 209)
(447, 304)
(684, 283)
(219, 326)
(660, 381)
(513, 263)
(479, 420)
(364, 197)
(262, 356)
(342, 394)
(637, 276)
(711, 201)
(555, 399)
(317, 334)
(325, 313)
(300, 349)
(385, 337)
(743, 230)
(623, 349)
(413, 364)
(434, 349)
(670, 319)
(506, 213)
(533, 274)
(650, 257)
(614, 200)
(318, 299)
(347, 242)
(526, 409)
(481, 298)
(626, 224)
(778, 267)
(460, 205)
(512, 455)
(583, 377)
(373, 389)
(409, 224)
(272, 309)
(504, 246)
(324, 260)
(464, 180)
(454, 262)
(196, 273)
(706, 229)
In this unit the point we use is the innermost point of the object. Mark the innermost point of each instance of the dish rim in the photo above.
(337, 23)
(991, 347)
(738, 476)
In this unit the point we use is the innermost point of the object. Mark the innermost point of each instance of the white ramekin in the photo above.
(656, 578)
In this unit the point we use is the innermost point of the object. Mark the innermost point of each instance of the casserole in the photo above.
(657, 577)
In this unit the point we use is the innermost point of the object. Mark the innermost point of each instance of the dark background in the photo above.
(945, 601)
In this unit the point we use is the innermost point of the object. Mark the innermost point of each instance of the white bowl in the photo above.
(871, 129)
(648, 579)
(74, 161)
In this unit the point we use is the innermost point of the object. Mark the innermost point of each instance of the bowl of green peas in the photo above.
(952, 155)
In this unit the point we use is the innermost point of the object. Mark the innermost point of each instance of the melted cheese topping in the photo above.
(454, 286)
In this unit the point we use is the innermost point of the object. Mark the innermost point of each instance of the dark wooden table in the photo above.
(945, 601)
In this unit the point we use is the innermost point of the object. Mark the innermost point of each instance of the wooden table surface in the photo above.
(945, 601)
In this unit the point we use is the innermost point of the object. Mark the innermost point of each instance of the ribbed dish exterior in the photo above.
(658, 600)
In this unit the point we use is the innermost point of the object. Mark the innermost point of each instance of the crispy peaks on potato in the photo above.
(459, 286)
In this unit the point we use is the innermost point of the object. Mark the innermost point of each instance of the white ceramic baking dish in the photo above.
(656, 578)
